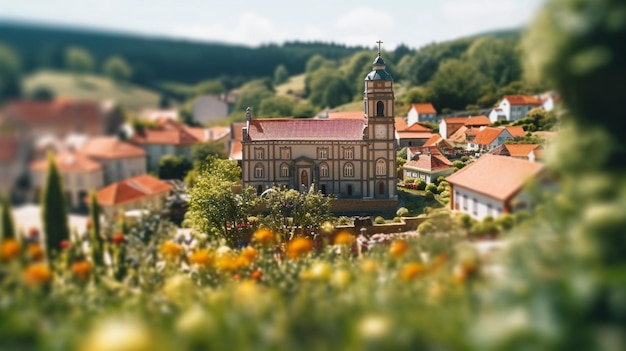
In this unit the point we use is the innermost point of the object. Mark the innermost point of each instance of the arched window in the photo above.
(381, 167)
(324, 172)
(284, 170)
(380, 108)
(258, 171)
(381, 188)
(348, 170)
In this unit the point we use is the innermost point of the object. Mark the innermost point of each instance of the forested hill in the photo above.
(161, 59)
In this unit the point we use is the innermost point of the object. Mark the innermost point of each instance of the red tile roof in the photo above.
(235, 140)
(165, 137)
(306, 129)
(417, 127)
(432, 162)
(132, 189)
(520, 150)
(68, 162)
(414, 135)
(400, 123)
(57, 112)
(110, 148)
(8, 148)
(474, 121)
(425, 108)
(356, 114)
(516, 131)
(522, 100)
(498, 177)
(487, 135)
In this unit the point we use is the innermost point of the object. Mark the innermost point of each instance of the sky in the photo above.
(350, 22)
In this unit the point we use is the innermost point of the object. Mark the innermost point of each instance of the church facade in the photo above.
(350, 158)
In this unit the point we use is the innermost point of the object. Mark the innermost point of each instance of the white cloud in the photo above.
(477, 10)
(249, 29)
(361, 18)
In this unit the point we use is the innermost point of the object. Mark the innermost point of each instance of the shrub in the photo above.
(465, 158)
(379, 220)
(445, 194)
(421, 185)
(409, 181)
(397, 220)
(426, 228)
(432, 188)
(402, 211)
(505, 221)
(429, 196)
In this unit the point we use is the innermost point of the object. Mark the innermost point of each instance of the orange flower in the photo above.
(463, 271)
(172, 250)
(437, 262)
(89, 223)
(81, 269)
(37, 274)
(201, 258)
(298, 247)
(117, 238)
(250, 253)
(256, 275)
(398, 248)
(226, 263)
(344, 238)
(411, 271)
(35, 252)
(9, 249)
(264, 236)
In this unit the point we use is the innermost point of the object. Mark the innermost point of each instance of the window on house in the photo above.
(322, 153)
(381, 167)
(475, 207)
(324, 172)
(285, 153)
(348, 170)
(348, 153)
(284, 170)
(258, 171)
(258, 153)
(465, 202)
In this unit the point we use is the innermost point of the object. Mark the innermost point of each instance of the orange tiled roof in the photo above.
(132, 189)
(520, 150)
(235, 140)
(60, 111)
(432, 162)
(306, 129)
(414, 135)
(474, 121)
(68, 162)
(400, 124)
(425, 149)
(356, 114)
(165, 137)
(458, 136)
(487, 135)
(417, 127)
(424, 108)
(516, 131)
(498, 177)
(522, 100)
(110, 148)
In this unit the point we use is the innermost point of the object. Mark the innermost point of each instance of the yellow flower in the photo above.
(264, 236)
(171, 250)
(398, 248)
(247, 256)
(35, 252)
(120, 335)
(369, 266)
(411, 271)
(298, 247)
(226, 263)
(344, 238)
(81, 269)
(201, 258)
(9, 250)
(37, 274)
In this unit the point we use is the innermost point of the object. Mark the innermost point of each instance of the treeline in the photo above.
(159, 59)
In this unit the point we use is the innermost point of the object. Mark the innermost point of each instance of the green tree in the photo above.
(277, 106)
(10, 71)
(329, 89)
(252, 94)
(281, 75)
(417, 95)
(117, 69)
(8, 228)
(78, 60)
(42, 93)
(173, 167)
(355, 69)
(497, 59)
(202, 151)
(213, 87)
(303, 109)
(96, 244)
(214, 208)
(316, 62)
(54, 209)
(456, 85)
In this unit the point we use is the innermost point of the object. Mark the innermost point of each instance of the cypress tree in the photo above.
(54, 209)
(8, 229)
(95, 239)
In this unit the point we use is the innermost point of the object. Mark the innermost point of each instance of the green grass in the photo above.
(294, 86)
(415, 202)
(92, 87)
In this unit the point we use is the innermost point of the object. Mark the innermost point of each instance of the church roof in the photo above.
(379, 74)
(306, 129)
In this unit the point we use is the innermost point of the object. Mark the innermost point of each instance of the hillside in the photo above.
(91, 87)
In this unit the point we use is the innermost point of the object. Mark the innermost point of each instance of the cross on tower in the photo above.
(379, 42)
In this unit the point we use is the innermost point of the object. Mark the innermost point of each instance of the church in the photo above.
(350, 158)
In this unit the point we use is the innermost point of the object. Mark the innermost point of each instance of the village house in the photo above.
(79, 175)
(449, 126)
(350, 158)
(427, 164)
(209, 108)
(14, 152)
(415, 134)
(488, 138)
(137, 193)
(424, 112)
(119, 159)
(514, 107)
(234, 146)
(493, 185)
(521, 151)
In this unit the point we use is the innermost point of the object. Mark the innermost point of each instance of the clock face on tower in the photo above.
(380, 131)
